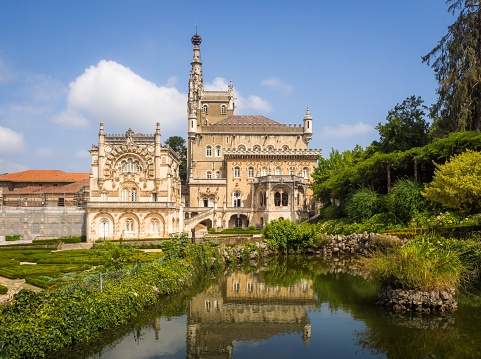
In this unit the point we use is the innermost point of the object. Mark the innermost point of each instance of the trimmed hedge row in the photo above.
(25, 270)
(37, 323)
(3, 289)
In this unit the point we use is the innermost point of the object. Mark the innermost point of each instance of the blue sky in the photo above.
(66, 66)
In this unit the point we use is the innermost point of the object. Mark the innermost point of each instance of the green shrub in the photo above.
(3, 289)
(424, 263)
(212, 230)
(13, 238)
(330, 212)
(240, 231)
(285, 235)
(362, 204)
(76, 239)
(116, 256)
(278, 233)
(404, 201)
(23, 271)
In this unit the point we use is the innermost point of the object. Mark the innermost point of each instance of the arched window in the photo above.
(236, 199)
(154, 226)
(129, 195)
(129, 165)
(281, 199)
(104, 228)
(125, 195)
(209, 174)
(292, 171)
(285, 148)
(217, 174)
(305, 173)
(205, 108)
(208, 151)
(262, 199)
(264, 171)
(236, 172)
(270, 148)
(277, 199)
(250, 172)
(256, 148)
(241, 148)
(218, 151)
(223, 109)
(278, 171)
(129, 225)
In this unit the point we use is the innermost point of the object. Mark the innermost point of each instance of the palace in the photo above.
(134, 188)
(243, 170)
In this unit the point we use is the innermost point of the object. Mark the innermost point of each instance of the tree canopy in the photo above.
(457, 183)
(456, 61)
(177, 143)
(405, 128)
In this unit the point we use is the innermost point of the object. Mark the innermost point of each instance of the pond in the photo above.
(292, 307)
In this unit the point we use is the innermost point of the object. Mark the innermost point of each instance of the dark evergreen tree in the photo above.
(177, 143)
(405, 128)
(456, 61)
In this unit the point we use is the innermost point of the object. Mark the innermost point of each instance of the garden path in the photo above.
(14, 286)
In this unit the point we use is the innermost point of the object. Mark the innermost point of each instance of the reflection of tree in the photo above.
(404, 336)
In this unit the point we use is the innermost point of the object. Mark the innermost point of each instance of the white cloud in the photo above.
(253, 103)
(44, 152)
(82, 154)
(10, 167)
(277, 84)
(218, 84)
(243, 105)
(5, 73)
(343, 130)
(11, 142)
(112, 93)
(70, 119)
(42, 89)
(171, 81)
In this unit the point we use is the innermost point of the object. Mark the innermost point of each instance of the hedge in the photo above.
(37, 323)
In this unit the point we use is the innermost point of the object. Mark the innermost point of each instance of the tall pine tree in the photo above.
(456, 61)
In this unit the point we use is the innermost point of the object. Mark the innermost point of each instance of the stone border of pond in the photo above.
(398, 300)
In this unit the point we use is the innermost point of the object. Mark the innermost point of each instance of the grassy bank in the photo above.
(427, 262)
(35, 323)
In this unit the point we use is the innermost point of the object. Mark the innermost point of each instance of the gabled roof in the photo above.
(70, 188)
(44, 176)
(247, 121)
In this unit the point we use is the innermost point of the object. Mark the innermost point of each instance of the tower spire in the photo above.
(196, 83)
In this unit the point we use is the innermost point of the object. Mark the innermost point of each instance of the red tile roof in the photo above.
(68, 188)
(247, 121)
(44, 176)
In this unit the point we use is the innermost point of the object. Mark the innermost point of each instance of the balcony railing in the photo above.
(129, 205)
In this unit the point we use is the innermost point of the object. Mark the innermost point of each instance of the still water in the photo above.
(294, 307)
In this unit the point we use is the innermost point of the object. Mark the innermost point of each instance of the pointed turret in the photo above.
(307, 126)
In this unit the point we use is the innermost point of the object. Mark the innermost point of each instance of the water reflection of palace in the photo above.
(244, 308)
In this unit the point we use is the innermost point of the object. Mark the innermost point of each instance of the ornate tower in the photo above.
(196, 88)
(307, 126)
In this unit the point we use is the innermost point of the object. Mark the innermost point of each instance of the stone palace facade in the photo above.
(243, 170)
